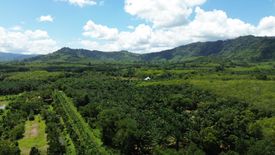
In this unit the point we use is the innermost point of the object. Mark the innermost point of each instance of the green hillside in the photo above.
(13, 57)
(77, 55)
(244, 49)
(248, 48)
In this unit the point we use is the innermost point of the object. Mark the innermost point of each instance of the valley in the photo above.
(94, 108)
(137, 77)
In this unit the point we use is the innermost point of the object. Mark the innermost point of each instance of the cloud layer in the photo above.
(26, 41)
(162, 13)
(166, 24)
(169, 24)
(99, 31)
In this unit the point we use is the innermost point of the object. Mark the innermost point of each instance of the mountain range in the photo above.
(246, 48)
(13, 56)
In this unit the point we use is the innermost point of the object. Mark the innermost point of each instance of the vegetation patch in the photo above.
(183, 108)
(260, 93)
(89, 141)
(34, 136)
(34, 75)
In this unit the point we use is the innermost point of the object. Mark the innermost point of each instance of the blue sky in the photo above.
(136, 25)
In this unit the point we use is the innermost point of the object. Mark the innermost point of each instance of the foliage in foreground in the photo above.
(185, 109)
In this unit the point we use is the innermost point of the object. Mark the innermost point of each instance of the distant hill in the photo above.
(247, 48)
(13, 57)
(77, 55)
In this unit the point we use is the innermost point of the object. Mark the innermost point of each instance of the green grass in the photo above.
(34, 75)
(181, 71)
(254, 67)
(223, 76)
(5, 100)
(159, 72)
(34, 136)
(243, 87)
(268, 125)
(161, 82)
(258, 92)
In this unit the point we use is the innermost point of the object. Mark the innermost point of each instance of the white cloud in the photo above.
(93, 45)
(211, 25)
(16, 28)
(99, 31)
(162, 13)
(47, 18)
(266, 26)
(131, 27)
(138, 40)
(82, 3)
(26, 41)
(205, 26)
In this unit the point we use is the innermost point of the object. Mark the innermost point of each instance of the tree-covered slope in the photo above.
(81, 55)
(247, 48)
(13, 57)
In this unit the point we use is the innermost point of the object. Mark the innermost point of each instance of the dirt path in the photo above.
(34, 130)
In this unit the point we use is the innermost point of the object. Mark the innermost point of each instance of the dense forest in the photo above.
(186, 108)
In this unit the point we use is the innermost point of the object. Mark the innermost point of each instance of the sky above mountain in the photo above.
(141, 26)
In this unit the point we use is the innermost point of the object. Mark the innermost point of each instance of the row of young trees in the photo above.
(86, 140)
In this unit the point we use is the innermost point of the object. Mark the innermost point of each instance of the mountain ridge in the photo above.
(67, 54)
(245, 48)
(5, 57)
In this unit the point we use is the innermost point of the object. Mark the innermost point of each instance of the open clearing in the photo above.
(3, 102)
(34, 136)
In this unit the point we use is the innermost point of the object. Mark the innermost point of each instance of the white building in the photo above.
(2, 107)
(147, 78)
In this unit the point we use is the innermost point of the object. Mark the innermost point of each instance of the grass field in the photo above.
(260, 93)
(3, 100)
(34, 136)
(243, 87)
(268, 125)
(34, 75)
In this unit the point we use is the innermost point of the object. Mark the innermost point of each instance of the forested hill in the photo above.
(13, 57)
(247, 48)
(82, 55)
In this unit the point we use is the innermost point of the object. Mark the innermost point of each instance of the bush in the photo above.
(7, 147)
(34, 151)
(261, 77)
